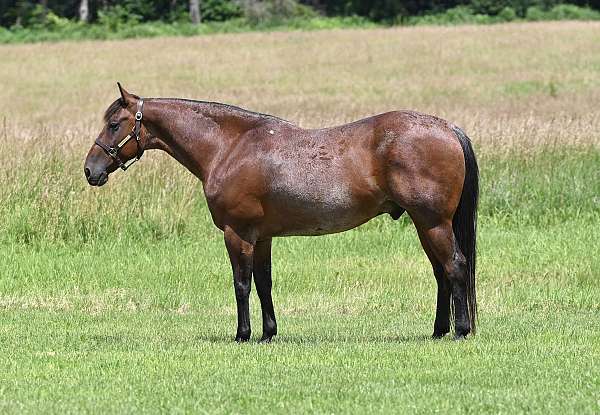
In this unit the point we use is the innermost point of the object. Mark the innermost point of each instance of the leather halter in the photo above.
(113, 152)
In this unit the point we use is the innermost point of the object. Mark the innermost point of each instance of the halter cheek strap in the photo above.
(114, 152)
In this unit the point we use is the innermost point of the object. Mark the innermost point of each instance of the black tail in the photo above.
(464, 223)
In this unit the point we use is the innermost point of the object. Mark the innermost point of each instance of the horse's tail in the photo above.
(464, 223)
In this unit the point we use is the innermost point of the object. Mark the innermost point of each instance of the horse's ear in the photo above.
(126, 97)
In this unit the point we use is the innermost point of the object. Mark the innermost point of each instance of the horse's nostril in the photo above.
(87, 172)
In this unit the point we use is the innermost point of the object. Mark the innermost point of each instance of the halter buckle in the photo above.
(138, 116)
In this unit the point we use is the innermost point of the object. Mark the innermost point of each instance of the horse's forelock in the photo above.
(114, 107)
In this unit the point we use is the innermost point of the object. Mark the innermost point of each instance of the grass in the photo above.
(119, 299)
(152, 331)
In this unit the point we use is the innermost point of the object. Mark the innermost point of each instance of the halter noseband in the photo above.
(113, 152)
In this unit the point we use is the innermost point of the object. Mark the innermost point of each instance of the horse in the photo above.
(265, 177)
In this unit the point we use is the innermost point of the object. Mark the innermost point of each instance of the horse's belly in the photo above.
(318, 209)
(315, 228)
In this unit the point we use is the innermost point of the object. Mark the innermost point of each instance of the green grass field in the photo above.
(120, 299)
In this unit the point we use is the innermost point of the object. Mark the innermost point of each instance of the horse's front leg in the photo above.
(262, 280)
(241, 252)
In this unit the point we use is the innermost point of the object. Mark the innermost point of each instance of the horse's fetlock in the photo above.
(270, 327)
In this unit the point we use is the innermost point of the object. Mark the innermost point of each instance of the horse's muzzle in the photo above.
(96, 178)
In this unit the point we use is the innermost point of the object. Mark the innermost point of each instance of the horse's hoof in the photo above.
(437, 336)
(459, 337)
(266, 338)
(242, 338)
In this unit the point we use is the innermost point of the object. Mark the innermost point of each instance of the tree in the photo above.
(195, 11)
(84, 11)
(44, 5)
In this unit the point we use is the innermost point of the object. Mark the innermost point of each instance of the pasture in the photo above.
(119, 299)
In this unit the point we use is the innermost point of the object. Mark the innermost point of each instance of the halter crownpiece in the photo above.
(113, 152)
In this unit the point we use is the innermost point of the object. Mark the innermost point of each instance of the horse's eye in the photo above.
(114, 126)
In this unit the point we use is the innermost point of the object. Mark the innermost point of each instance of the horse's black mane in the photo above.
(119, 103)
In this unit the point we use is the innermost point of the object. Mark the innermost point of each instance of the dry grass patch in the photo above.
(519, 84)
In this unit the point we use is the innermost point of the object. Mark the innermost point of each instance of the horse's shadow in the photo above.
(320, 339)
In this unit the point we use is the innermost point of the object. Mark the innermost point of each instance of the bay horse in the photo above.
(265, 177)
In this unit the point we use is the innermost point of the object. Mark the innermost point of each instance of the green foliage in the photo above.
(124, 26)
(535, 13)
(562, 12)
(42, 19)
(571, 12)
(467, 14)
(489, 7)
(507, 14)
(115, 17)
(456, 15)
(220, 10)
(261, 12)
(31, 14)
(141, 18)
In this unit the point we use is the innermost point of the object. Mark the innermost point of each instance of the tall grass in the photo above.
(531, 111)
(46, 199)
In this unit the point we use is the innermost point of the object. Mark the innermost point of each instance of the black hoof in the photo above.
(460, 333)
(437, 336)
(266, 339)
(242, 338)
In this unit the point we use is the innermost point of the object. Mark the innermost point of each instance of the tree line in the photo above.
(25, 13)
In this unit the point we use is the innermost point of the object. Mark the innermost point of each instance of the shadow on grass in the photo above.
(319, 339)
(316, 339)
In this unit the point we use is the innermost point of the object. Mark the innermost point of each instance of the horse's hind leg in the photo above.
(441, 326)
(440, 239)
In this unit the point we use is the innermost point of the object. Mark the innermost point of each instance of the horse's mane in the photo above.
(119, 104)
(228, 107)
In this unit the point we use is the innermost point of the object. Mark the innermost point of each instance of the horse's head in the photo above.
(120, 141)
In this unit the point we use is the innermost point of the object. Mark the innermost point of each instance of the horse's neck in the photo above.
(196, 134)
